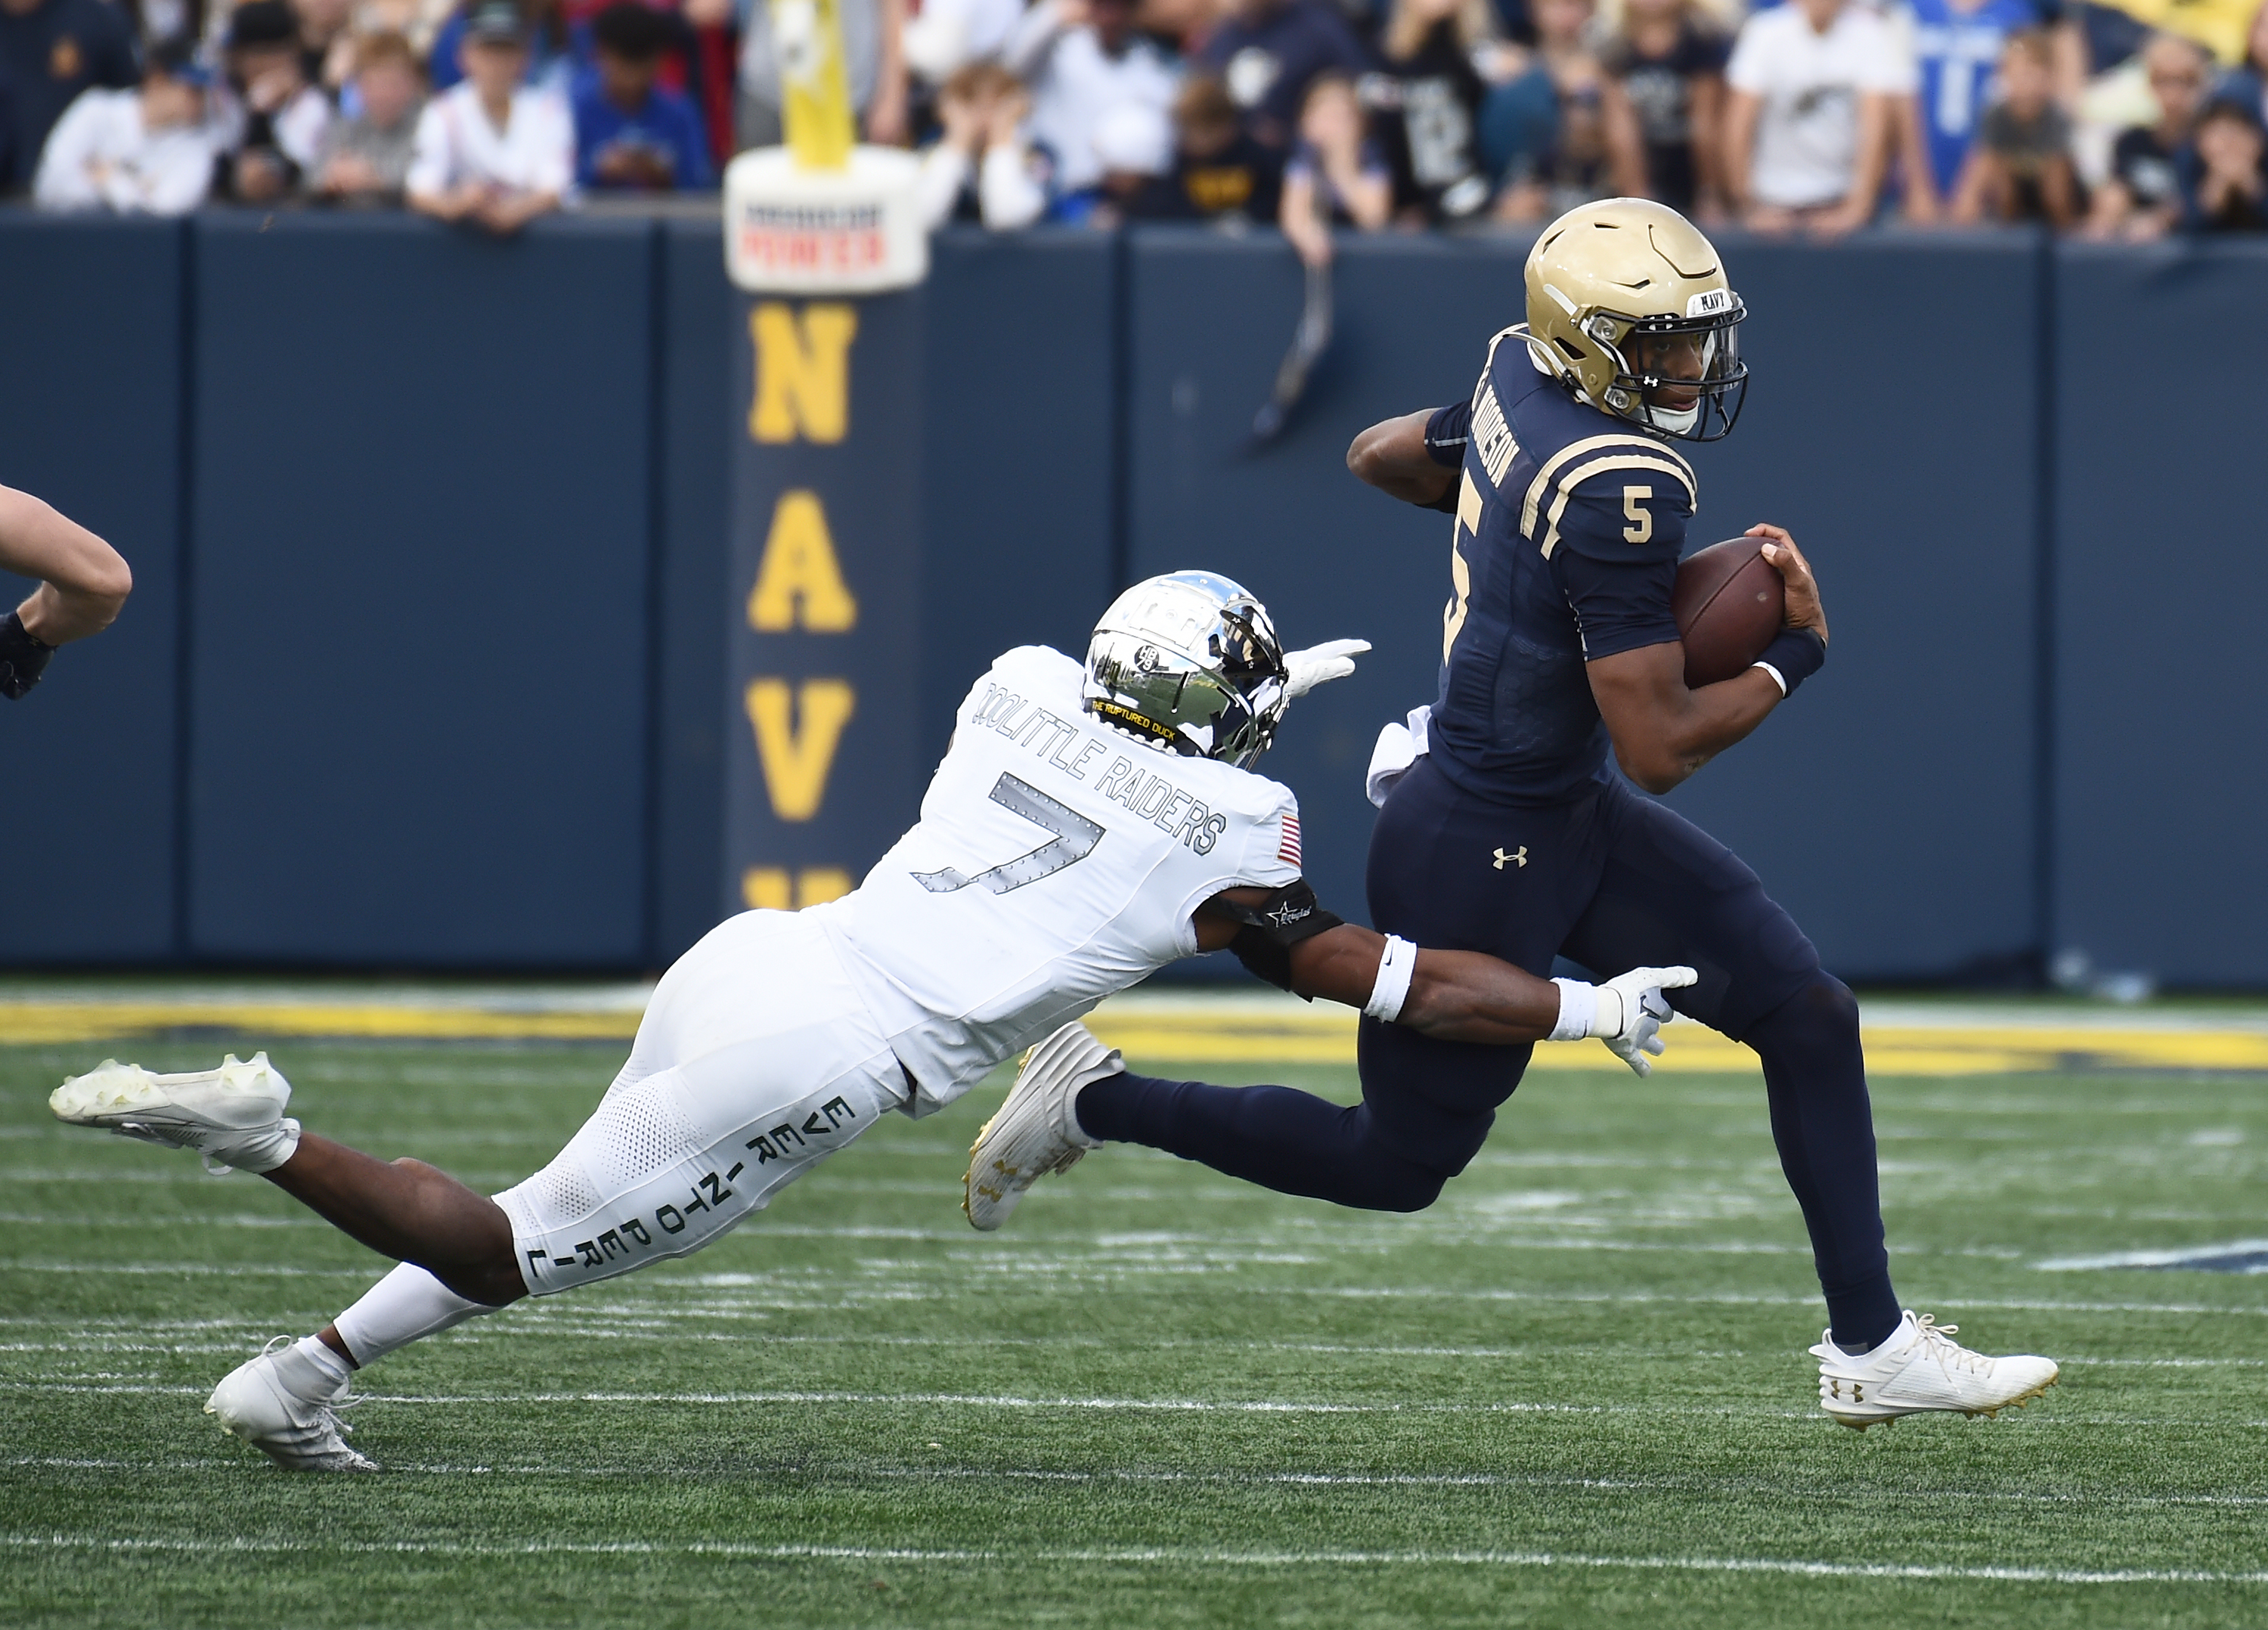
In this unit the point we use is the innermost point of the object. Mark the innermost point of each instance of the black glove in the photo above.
(22, 657)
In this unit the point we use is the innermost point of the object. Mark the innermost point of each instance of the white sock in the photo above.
(407, 1305)
(317, 1352)
(310, 1370)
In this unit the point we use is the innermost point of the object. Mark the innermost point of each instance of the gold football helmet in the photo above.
(1628, 307)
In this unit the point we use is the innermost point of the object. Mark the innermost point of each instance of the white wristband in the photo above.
(1393, 987)
(1778, 678)
(1579, 1005)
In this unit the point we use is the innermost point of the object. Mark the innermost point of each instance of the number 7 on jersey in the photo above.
(1075, 838)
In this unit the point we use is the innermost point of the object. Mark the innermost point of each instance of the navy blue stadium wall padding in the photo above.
(473, 720)
(2161, 569)
(1209, 320)
(693, 599)
(419, 724)
(1890, 805)
(91, 350)
(1017, 496)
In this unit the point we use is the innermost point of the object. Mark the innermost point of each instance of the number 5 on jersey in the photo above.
(1461, 574)
(1641, 527)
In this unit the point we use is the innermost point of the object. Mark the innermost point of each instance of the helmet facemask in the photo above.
(1701, 353)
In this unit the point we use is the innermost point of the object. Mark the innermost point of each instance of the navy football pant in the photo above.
(1612, 881)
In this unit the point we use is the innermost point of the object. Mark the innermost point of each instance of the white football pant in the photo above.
(755, 1061)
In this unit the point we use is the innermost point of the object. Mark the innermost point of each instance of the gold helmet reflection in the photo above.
(1606, 271)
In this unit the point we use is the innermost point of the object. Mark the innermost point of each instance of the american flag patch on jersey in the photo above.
(1288, 851)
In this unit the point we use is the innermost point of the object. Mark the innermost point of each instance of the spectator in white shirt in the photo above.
(491, 149)
(983, 169)
(1816, 87)
(145, 152)
(1083, 59)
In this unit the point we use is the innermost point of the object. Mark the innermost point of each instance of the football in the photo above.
(1728, 603)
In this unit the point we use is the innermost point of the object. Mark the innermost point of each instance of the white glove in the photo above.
(1304, 670)
(1627, 1012)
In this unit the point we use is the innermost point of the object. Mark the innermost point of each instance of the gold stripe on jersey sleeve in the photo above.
(1577, 477)
(1544, 476)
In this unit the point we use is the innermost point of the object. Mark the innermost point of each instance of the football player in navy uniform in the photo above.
(1504, 830)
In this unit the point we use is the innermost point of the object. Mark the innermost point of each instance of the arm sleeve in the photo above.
(1618, 606)
(944, 171)
(1271, 843)
(1746, 69)
(555, 174)
(1449, 432)
(428, 156)
(1631, 503)
(63, 183)
(181, 183)
(1008, 195)
(587, 146)
(1033, 40)
(694, 173)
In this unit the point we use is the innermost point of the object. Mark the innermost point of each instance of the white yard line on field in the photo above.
(238, 1464)
(1165, 1556)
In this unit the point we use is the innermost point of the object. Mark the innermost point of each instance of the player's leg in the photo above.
(1669, 891)
(1669, 887)
(233, 1117)
(755, 1060)
(1435, 878)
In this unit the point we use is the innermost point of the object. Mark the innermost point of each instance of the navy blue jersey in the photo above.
(1569, 526)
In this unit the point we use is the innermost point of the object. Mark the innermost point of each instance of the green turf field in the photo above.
(1572, 1393)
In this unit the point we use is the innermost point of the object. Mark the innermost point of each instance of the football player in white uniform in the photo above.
(1086, 827)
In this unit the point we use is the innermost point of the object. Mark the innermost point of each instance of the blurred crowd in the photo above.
(2121, 120)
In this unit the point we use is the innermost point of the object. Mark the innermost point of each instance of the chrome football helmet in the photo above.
(1188, 663)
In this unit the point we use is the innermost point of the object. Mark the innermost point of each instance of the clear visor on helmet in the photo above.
(1683, 376)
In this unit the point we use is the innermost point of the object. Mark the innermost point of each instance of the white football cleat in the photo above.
(1920, 1369)
(282, 1406)
(233, 1116)
(1037, 1130)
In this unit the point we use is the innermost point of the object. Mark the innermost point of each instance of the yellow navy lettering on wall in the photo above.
(803, 371)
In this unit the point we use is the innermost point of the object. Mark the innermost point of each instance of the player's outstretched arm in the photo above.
(1463, 996)
(83, 581)
(1394, 456)
(1663, 732)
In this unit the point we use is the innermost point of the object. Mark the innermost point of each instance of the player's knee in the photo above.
(1404, 1185)
(1831, 1008)
(1822, 1013)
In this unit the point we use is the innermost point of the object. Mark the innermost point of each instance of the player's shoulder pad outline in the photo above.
(1598, 467)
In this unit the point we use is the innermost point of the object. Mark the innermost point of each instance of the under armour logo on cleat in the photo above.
(1519, 857)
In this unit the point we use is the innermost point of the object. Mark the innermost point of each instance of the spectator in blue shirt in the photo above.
(630, 132)
(1956, 49)
(1268, 53)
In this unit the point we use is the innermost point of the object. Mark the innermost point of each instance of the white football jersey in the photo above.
(1056, 860)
